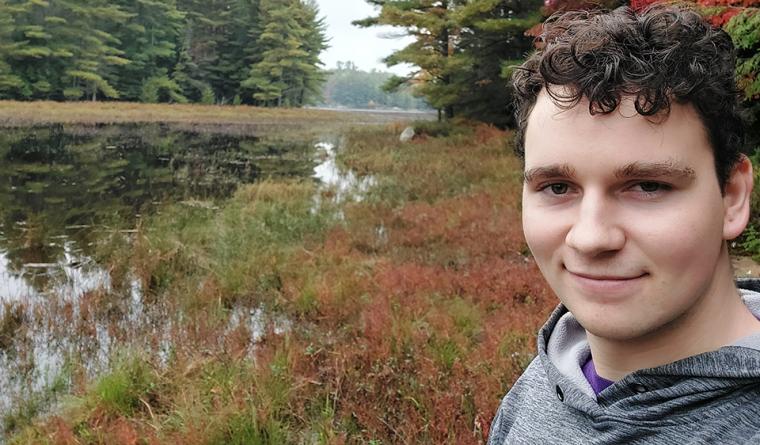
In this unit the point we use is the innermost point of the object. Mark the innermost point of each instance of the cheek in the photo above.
(682, 238)
(543, 232)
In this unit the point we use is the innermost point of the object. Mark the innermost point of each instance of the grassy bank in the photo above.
(401, 317)
(228, 118)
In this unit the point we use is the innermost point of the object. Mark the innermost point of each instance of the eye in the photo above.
(555, 188)
(558, 188)
(650, 187)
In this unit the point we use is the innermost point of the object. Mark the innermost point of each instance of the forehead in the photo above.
(573, 135)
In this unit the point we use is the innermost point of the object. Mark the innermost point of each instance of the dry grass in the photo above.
(230, 119)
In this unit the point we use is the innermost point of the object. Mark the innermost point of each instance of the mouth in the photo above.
(606, 287)
(605, 277)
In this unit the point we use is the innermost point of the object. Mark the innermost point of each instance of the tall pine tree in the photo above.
(148, 38)
(436, 35)
(463, 49)
(214, 49)
(61, 49)
(492, 41)
(287, 71)
(9, 82)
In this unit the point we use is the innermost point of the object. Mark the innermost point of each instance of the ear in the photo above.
(736, 199)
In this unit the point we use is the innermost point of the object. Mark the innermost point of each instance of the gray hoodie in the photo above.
(708, 398)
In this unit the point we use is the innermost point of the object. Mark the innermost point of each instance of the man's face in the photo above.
(624, 216)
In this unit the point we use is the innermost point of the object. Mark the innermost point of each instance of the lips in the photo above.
(591, 276)
(605, 287)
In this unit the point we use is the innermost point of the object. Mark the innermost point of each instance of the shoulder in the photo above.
(519, 399)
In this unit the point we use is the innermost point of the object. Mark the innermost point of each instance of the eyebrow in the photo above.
(549, 171)
(666, 169)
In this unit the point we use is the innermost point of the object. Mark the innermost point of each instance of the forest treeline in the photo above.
(259, 52)
(348, 86)
(466, 50)
(266, 52)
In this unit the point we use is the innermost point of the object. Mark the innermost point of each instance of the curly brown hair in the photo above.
(665, 53)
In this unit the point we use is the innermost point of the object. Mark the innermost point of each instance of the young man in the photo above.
(629, 128)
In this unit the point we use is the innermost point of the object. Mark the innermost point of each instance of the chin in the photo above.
(620, 326)
(615, 332)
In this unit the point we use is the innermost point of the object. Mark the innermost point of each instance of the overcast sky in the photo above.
(363, 46)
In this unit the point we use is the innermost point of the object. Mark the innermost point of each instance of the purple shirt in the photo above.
(597, 383)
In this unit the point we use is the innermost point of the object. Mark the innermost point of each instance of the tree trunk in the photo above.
(445, 51)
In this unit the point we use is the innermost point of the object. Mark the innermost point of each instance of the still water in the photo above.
(59, 188)
(63, 189)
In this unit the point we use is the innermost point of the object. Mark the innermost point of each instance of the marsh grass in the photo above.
(14, 113)
(288, 123)
(410, 311)
(11, 322)
(36, 403)
(235, 253)
(123, 390)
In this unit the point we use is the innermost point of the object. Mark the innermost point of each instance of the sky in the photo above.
(363, 46)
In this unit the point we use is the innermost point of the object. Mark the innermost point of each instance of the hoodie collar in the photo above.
(563, 349)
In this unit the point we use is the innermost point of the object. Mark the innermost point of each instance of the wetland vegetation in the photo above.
(388, 299)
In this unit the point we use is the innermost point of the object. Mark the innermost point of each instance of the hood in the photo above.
(563, 349)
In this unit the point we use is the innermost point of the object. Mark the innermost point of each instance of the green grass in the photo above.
(126, 389)
(238, 250)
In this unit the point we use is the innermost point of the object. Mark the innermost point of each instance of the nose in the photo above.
(595, 229)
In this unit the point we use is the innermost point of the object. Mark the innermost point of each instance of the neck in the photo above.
(718, 319)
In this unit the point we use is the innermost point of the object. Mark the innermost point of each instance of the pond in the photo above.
(62, 189)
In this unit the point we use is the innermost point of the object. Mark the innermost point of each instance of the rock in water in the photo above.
(407, 134)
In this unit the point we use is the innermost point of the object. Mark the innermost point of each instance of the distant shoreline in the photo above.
(374, 110)
(235, 119)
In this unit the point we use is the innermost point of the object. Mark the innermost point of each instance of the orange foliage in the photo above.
(61, 433)
(388, 371)
(120, 432)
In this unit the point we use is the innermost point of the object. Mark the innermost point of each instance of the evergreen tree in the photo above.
(463, 49)
(149, 39)
(436, 34)
(290, 43)
(215, 44)
(187, 76)
(314, 42)
(491, 42)
(61, 49)
(165, 51)
(8, 81)
(239, 48)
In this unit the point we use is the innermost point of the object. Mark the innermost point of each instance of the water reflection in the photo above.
(62, 322)
(66, 185)
(13, 287)
(344, 184)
